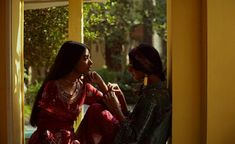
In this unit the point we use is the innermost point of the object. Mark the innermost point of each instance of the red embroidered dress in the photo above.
(58, 113)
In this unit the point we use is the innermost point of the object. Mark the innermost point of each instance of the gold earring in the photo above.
(145, 80)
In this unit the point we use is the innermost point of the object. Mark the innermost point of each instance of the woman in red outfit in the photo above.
(65, 89)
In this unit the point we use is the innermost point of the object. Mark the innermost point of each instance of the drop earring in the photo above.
(146, 80)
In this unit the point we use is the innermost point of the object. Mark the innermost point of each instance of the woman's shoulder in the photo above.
(52, 84)
(156, 90)
(49, 90)
(157, 94)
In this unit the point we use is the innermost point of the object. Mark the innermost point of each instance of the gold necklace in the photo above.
(70, 98)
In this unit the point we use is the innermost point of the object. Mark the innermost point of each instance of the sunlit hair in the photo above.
(146, 58)
(67, 58)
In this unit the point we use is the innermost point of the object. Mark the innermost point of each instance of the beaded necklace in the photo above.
(70, 98)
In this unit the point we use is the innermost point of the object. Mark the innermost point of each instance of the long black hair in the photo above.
(67, 58)
(146, 58)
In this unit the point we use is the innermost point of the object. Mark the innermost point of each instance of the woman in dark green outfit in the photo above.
(149, 122)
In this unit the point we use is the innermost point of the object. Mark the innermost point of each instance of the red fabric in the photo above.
(98, 123)
(56, 118)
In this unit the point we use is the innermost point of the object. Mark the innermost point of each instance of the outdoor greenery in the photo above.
(113, 21)
(110, 22)
(32, 92)
(44, 32)
(27, 112)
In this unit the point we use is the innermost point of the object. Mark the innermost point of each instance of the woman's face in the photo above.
(136, 74)
(84, 64)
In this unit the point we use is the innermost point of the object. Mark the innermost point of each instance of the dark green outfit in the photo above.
(149, 123)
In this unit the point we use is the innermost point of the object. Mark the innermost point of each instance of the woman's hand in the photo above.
(118, 92)
(113, 105)
(115, 88)
(94, 77)
(111, 101)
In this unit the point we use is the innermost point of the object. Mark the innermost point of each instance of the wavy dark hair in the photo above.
(67, 58)
(146, 58)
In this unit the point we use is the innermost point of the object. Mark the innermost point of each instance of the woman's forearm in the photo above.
(103, 87)
(119, 115)
(123, 103)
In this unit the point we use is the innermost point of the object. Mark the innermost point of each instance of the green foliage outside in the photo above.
(31, 92)
(44, 32)
(30, 95)
(113, 20)
(110, 22)
(27, 113)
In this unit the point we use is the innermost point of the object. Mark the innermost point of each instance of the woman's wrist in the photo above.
(119, 115)
(103, 87)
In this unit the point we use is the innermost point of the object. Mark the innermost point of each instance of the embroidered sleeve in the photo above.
(92, 94)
